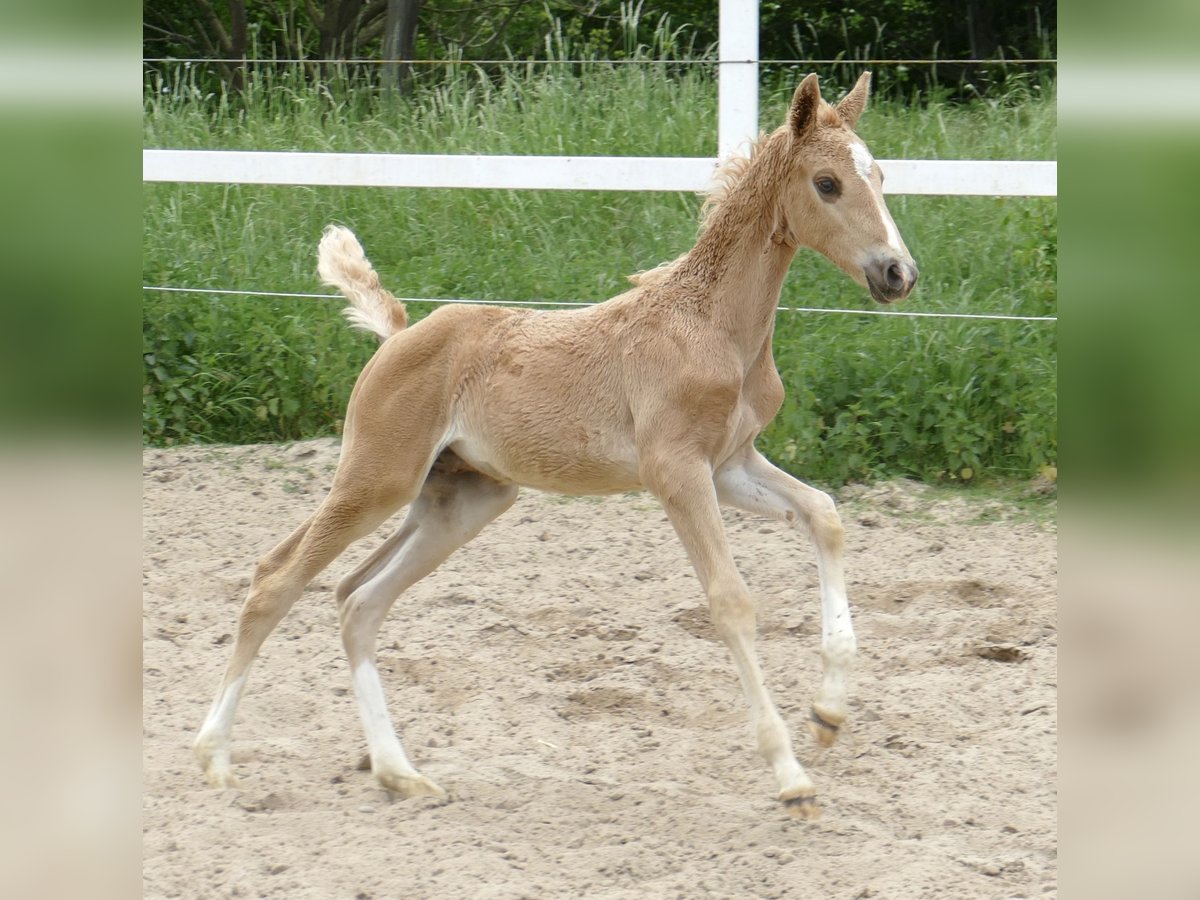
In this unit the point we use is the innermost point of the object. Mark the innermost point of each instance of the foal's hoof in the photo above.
(407, 786)
(801, 805)
(222, 779)
(216, 765)
(823, 730)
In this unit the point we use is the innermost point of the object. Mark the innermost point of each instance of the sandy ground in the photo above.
(560, 678)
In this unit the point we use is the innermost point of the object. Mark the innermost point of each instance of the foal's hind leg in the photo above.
(751, 483)
(450, 511)
(279, 580)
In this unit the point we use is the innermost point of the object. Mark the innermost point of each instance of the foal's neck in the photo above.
(743, 256)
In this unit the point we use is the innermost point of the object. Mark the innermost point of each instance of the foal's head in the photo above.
(833, 201)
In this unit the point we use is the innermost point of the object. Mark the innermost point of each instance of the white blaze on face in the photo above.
(863, 162)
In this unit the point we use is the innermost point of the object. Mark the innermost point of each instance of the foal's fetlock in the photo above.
(218, 769)
(829, 711)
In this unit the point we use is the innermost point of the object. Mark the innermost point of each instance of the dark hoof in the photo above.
(803, 807)
(824, 731)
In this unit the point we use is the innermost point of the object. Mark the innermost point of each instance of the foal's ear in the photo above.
(805, 103)
(853, 104)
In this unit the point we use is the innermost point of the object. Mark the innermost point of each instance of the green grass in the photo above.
(868, 396)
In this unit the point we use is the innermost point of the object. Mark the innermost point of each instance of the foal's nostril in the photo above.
(890, 278)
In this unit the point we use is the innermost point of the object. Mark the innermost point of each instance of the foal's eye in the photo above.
(826, 185)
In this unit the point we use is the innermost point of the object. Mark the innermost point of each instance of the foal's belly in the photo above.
(551, 460)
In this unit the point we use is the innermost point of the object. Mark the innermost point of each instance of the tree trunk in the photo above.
(229, 44)
(237, 41)
(981, 30)
(400, 41)
(337, 26)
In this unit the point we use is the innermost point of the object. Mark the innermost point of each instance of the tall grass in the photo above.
(868, 395)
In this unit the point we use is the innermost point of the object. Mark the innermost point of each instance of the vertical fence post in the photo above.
(737, 75)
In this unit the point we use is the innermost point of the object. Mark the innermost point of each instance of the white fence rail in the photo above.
(582, 173)
(737, 123)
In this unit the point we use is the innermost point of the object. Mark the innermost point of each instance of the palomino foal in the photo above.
(662, 388)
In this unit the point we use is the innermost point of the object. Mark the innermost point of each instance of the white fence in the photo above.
(737, 110)
(737, 123)
(581, 173)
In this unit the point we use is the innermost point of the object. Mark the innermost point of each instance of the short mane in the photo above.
(728, 174)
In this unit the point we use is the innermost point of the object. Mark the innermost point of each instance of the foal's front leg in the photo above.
(689, 498)
(749, 482)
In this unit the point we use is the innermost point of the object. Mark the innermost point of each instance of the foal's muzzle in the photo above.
(890, 279)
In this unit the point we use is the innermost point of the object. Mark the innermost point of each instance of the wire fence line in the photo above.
(577, 303)
(692, 61)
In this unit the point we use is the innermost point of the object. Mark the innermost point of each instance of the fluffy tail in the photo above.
(342, 264)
